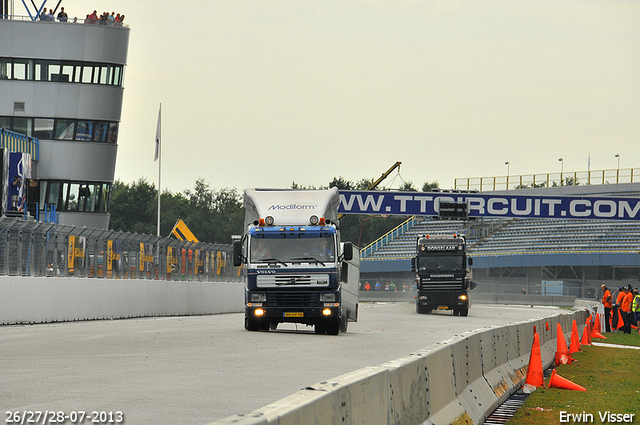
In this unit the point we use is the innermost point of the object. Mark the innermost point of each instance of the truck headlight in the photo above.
(258, 297)
(462, 297)
(328, 297)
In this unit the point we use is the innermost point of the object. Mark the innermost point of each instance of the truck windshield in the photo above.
(440, 263)
(316, 250)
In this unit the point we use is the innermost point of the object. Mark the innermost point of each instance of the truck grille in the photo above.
(293, 299)
(441, 285)
(283, 280)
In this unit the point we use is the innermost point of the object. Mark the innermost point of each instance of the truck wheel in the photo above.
(456, 312)
(464, 311)
(333, 327)
(250, 324)
(344, 323)
(420, 309)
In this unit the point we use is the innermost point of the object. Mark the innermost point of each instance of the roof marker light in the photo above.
(261, 222)
(313, 220)
(321, 221)
(269, 220)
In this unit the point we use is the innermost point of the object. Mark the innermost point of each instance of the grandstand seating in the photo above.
(521, 236)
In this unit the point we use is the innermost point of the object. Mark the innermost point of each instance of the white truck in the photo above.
(296, 267)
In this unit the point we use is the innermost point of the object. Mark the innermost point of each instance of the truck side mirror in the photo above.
(347, 251)
(237, 253)
(470, 261)
(413, 265)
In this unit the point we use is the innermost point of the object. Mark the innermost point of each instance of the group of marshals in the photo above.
(627, 302)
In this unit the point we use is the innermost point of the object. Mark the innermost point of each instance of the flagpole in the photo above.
(158, 156)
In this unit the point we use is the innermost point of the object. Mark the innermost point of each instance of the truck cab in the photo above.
(442, 276)
(296, 268)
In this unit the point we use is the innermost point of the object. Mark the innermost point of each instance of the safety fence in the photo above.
(529, 181)
(33, 248)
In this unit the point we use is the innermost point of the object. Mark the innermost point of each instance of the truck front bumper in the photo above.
(308, 315)
(443, 301)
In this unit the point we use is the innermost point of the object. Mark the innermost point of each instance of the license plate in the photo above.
(296, 314)
(443, 307)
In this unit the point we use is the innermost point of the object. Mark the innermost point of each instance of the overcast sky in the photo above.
(265, 93)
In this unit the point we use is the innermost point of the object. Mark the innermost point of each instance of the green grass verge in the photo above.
(611, 377)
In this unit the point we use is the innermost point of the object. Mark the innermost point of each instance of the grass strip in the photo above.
(612, 379)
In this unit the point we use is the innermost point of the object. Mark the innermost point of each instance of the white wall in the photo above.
(42, 300)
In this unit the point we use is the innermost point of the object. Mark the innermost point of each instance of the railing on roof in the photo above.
(17, 142)
(528, 181)
(388, 237)
(70, 20)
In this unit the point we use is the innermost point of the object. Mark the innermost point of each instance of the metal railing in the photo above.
(388, 237)
(32, 248)
(615, 176)
(17, 142)
(70, 20)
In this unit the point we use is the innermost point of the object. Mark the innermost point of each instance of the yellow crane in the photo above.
(384, 175)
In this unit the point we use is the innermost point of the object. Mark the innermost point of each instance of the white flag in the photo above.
(155, 158)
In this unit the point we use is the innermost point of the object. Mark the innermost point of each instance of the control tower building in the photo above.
(62, 85)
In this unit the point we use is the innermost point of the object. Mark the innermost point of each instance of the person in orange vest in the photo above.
(635, 308)
(626, 309)
(606, 302)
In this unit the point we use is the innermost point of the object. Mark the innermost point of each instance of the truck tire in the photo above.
(420, 309)
(464, 311)
(251, 325)
(344, 324)
(333, 327)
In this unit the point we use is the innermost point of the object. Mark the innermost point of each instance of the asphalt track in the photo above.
(198, 369)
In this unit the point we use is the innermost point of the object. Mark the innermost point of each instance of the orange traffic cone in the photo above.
(597, 327)
(557, 381)
(535, 375)
(597, 330)
(563, 356)
(575, 339)
(585, 335)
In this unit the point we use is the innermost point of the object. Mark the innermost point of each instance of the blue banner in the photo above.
(483, 205)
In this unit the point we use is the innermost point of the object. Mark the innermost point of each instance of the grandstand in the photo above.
(524, 252)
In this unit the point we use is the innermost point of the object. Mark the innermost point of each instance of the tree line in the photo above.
(214, 215)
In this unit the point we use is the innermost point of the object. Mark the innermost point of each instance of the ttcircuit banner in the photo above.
(483, 205)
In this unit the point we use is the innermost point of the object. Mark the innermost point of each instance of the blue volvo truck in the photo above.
(296, 268)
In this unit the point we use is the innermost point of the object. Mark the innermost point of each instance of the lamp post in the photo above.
(561, 171)
(507, 164)
(618, 170)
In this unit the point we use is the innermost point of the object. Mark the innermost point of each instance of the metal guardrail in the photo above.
(33, 248)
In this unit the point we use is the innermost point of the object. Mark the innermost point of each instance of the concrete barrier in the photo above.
(44, 300)
(476, 298)
(459, 381)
